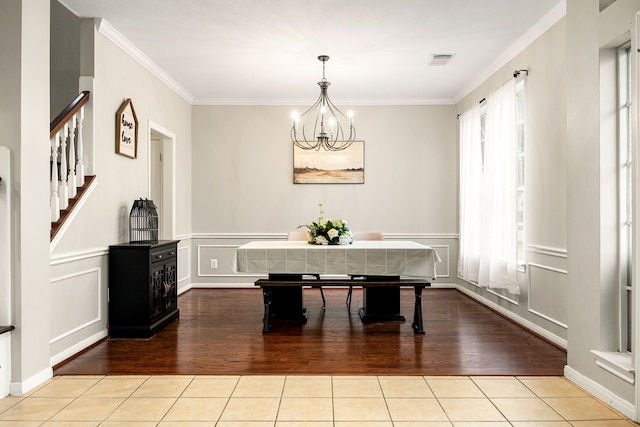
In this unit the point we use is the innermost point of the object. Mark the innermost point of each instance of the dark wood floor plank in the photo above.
(220, 333)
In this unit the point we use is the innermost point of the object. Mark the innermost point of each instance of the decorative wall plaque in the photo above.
(127, 130)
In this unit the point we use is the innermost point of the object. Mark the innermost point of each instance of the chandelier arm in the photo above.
(339, 142)
(307, 145)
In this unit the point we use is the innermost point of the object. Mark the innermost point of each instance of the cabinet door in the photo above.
(171, 280)
(158, 290)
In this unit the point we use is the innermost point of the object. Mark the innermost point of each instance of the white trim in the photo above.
(73, 214)
(77, 348)
(397, 236)
(171, 179)
(547, 250)
(547, 318)
(78, 256)
(518, 46)
(240, 236)
(6, 257)
(504, 297)
(337, 101)
(616, 402)
(129, 48)
(491, 291)
(616, 363)
(188, 255)
(185, 288)
(251, 285)
(18, 389)
(546, 267)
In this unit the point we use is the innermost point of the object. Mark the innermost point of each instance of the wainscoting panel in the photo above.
(548, 293)
(215, 256)
(77, 300)
(184, 268)
(216, 260)
(78, 296)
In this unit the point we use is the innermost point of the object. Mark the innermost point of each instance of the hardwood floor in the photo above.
(220, 333)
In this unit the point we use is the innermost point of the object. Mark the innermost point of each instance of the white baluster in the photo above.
(71, 178)
(55, 200)
(80, 149)
(64, 189)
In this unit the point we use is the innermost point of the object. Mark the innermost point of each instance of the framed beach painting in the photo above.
(329, 167)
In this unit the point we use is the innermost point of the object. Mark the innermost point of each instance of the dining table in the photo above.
(381, 267)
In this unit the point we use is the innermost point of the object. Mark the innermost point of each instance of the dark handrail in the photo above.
(68, 112)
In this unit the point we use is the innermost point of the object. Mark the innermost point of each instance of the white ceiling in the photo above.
(265, 51)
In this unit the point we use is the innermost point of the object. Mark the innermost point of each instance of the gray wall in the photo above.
(243, 180)
(65, 57)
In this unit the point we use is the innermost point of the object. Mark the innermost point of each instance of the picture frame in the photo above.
(329, 167)
(127, 130)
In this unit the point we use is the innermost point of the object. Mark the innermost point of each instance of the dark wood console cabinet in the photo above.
(143, 288)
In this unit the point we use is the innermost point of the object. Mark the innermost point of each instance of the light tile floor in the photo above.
(308, 401)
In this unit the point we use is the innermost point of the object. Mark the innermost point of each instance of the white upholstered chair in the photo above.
(364, 235)
(298, 235)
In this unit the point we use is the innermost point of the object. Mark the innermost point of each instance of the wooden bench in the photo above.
(283, 297)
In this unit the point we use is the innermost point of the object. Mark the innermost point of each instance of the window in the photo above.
(624, 195)
(492, 190)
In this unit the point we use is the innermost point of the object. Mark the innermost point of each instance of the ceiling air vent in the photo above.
(439, 59)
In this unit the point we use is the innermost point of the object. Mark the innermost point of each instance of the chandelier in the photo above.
(323, 125)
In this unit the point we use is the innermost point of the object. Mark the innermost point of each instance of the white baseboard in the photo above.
(78, 347)
(616, 402)
(250, 285)
(18, 389)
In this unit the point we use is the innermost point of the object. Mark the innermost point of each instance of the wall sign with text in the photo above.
(127, 130)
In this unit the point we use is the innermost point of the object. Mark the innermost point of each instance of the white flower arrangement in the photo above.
(328, 231)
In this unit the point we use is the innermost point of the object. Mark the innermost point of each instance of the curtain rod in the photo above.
(516, 74)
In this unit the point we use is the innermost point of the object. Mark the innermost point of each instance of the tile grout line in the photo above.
(384, 398)
(440, 404)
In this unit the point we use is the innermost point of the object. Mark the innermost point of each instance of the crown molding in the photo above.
(546, 22)
(123, 43)
(298, 101)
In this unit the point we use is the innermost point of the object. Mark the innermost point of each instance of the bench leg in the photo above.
(417, 311)
(266, 326)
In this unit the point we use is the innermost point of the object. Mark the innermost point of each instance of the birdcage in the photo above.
(143, 222)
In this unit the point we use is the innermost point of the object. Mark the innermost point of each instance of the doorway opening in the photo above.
(162, 178)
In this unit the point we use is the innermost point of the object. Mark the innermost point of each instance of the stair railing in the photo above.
(67, 163)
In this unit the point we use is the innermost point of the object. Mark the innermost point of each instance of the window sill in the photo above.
(618, 364)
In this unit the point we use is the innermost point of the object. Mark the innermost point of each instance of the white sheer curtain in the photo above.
(471, 173)
(498, 252)
(488, 196)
